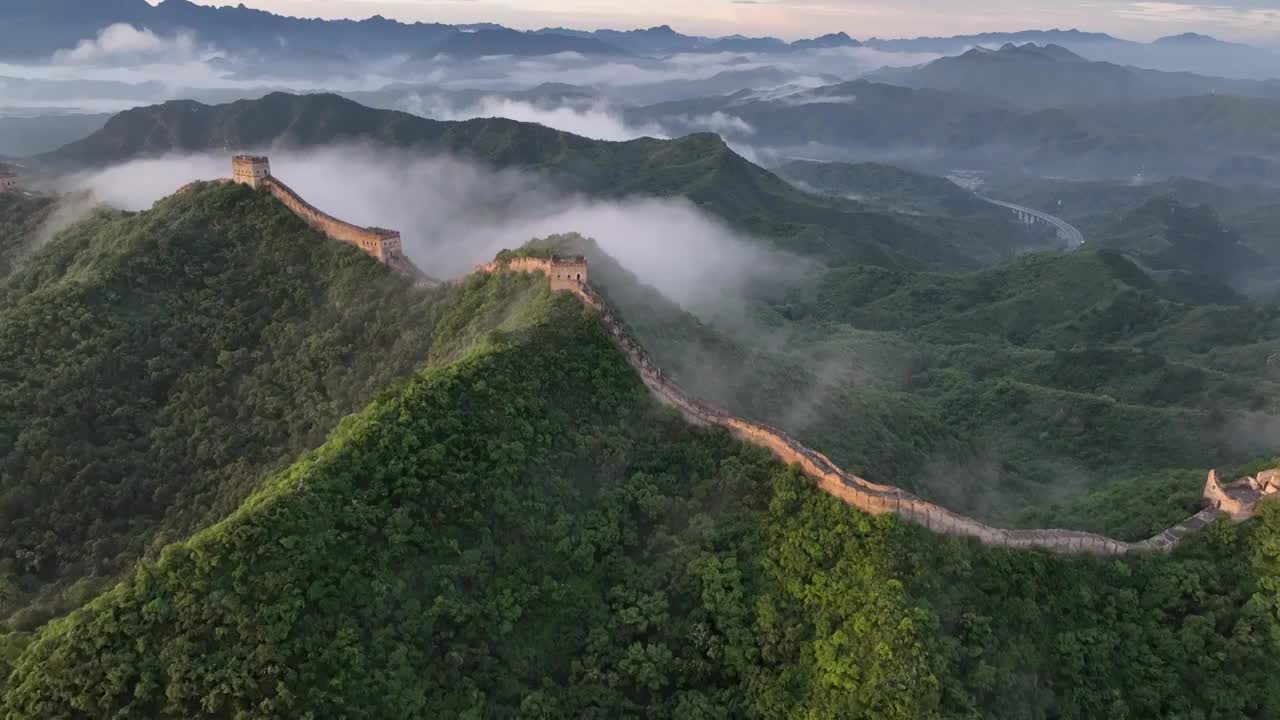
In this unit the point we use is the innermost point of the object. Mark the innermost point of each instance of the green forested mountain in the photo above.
(154, 366)
(700, 167)
(523, 533)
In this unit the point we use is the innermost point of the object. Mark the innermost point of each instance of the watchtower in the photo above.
(250, 170)
(567, 272)
(386, 244)
(8, 182)
(1240, 499)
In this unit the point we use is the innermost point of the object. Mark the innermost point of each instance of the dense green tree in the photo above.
(523, 532)
(154, 366)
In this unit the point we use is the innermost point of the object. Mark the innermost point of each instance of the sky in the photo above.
(1255, 21)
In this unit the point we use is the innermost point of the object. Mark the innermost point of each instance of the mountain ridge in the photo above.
(38, 29)
(1045, 76)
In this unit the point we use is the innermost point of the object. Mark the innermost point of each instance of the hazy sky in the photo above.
(1257, 21)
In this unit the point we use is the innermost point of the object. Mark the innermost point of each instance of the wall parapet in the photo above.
(380, 243)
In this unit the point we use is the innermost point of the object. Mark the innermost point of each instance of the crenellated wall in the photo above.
(377, 242)
(866, 496)
(380, 243)
(563, 272)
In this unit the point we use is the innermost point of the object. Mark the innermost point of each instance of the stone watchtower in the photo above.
(250, 170)
(8, 182)
(1240, 499)
(567, 272)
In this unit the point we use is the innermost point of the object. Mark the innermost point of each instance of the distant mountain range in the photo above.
(1188, 52)
(38, 28)
(1229, 138)
(1052, 76)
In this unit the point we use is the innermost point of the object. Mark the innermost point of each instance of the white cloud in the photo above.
(454, 214)
(596, 119)
(718, 122)
(124, 43)
(818, 99)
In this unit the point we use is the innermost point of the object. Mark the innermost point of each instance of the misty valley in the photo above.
(388, 368)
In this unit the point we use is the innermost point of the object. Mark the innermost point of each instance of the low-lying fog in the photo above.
(453, 214)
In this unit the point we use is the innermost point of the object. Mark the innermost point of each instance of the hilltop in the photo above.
(1172, 236)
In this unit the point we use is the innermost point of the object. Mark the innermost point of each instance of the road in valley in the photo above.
(1066, 230)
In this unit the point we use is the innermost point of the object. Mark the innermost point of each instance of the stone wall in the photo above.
(377, 242)
(867, 496)
(563, 273)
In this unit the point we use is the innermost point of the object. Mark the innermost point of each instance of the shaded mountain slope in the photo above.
(1169, 235)
(21, 217)
(299, 121)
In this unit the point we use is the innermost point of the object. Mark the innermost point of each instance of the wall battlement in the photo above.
(380, 243)
(1240, 498)
(564, 272)
(867, 496)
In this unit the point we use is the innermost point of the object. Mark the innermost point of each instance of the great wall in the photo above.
(380, 243)
(1237, 500)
